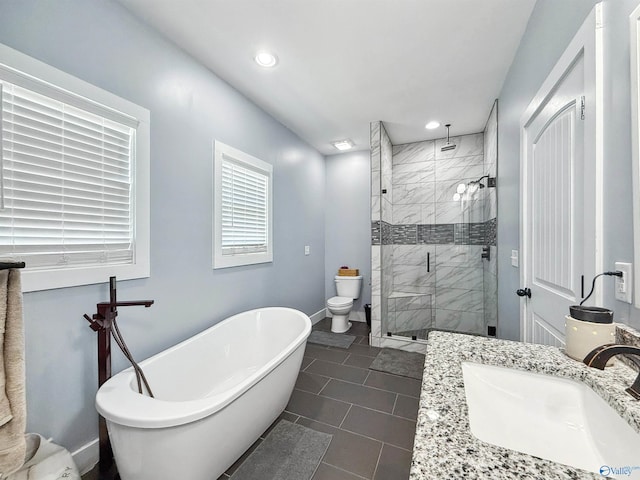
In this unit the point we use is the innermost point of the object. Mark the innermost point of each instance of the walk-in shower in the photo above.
(433, 235)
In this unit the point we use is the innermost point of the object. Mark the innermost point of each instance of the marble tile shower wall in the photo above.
(437, 241)
(490, 268)
(381, 218)
(427, 269)
(386, 216)
(376, 234)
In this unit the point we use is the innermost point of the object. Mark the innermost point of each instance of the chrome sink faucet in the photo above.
(599, 357)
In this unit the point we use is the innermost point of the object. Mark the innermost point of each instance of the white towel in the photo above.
(12, 382)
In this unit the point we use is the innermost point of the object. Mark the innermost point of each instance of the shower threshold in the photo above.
(423, 333)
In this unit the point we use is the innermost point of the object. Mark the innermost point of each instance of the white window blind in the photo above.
(242, 209)
(67, 183)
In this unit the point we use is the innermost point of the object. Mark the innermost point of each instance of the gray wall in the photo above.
(347, 224)
(551, 27)
(98, 41)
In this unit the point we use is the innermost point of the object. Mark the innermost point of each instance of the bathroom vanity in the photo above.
(446, 448)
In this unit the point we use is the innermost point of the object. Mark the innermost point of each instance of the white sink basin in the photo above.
(550, 417)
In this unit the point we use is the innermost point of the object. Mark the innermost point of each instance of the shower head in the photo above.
(473, 186)
(448, 145)
(491, 181)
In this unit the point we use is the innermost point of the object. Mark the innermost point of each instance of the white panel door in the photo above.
(561, 191)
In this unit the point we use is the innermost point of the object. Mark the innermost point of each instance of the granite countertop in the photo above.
(444, 446)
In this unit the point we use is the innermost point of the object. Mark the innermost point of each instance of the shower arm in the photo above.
(480, 179)
(491, 181)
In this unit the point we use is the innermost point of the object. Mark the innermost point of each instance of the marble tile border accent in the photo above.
(387, 233)
(376, 233)
(491, 232)
(477, 234)
(405, 234)
(436, 234)
(432, 233)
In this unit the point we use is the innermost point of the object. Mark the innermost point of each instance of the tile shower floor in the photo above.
(371, 415)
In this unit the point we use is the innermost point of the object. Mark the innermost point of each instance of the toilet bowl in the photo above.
(340, 307)
(348, 290)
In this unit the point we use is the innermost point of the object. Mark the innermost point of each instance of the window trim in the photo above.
(222, 150)
(28, 72)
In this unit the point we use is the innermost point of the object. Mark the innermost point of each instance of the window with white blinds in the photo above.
(67, 183)
(242, 208)
(69, 170)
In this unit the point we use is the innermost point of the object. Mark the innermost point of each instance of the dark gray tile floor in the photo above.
(370, 414)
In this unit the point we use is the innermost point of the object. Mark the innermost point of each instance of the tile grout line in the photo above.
(310, 363)
(385, 413)
(369, 372)
(343, 470)
(358, 434)
(331, 361)
(348, 357)
(382, 441)
(345, 417)
(375, 470)
(325, 386)
(351, 404)
(363, 385)
(358, 405)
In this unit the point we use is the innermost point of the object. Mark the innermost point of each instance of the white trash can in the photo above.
(45, 461)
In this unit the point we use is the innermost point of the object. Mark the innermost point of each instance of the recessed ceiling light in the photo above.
(432, 124)
(343, 144)
(266, 59)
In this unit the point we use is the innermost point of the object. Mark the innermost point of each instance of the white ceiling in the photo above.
(345, 63)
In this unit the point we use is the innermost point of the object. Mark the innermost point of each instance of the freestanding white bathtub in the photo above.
(216, 393)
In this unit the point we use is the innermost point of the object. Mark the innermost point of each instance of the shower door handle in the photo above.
(524, 292)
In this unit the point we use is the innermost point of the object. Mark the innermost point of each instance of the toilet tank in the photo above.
(348, 286)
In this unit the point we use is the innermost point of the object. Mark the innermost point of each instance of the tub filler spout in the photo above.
(104, 323)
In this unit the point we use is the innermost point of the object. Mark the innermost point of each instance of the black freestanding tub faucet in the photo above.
(104, 322)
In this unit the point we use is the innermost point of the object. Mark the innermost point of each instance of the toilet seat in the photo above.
(338, 302)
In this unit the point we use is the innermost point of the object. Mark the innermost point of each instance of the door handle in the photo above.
(524, 292)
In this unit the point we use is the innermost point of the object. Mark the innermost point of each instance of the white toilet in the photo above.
(348, 289)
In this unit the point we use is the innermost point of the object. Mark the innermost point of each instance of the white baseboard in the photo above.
(87, 456)
(319, 315)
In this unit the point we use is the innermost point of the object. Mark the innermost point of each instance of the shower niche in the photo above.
(433, 236)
